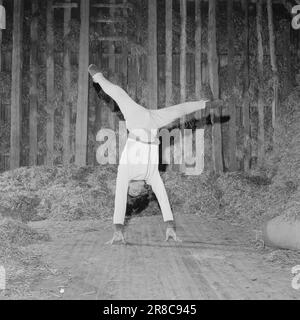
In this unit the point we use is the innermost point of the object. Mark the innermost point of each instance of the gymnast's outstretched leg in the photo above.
(136, 114)
(162, 117)
(129, 108)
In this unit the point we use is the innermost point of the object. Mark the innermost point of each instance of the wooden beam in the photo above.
(125, 50)
(289, 74)
(99, 103)
(214, 85)
(260, 70)
(152, 55)
(67, 86)
(1, 2)
(183, 45)
(67, 108)
(246, 84)
(104, 113)
(33, 91)
(111, 46)
(274, 68)
(198, 49)
(16, 87)
(83, 86)
(231, 80)
(50, 85)
(169, 51)
(111, 66)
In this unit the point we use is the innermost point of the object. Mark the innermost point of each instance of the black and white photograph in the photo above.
(149, 151)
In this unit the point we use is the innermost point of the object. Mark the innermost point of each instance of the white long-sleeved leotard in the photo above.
(139, 159)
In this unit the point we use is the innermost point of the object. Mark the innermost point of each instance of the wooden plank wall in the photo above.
(215, 88)
(1, 2)
(50, 85)
(67, 87)
(137, 67)
(152, 54)
(33, 91)
(83, 86)
(16, 88)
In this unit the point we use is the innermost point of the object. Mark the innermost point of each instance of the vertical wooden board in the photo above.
(231, 147)
(1, 105)
(193, 74)
(260, 70)
(183, 45)
(100, 105)
(1, 2)
(161, 80)
(169, 51)
(183, 63)
(83, 86)
(111, 67)
(273, 65)
(131, 76)
(137, 76)
(214, 85)
(205, 72)
(33, 91)
(246, 84)
(190, 69)
(212, 50)
(111, 45)
(50, 85)
(16, 88)
(286, 52)
(67, 86)
(125, 51)
(176, 69)
(152, 55)
(198, 48)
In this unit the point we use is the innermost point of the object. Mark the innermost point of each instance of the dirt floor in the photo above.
(216, 260)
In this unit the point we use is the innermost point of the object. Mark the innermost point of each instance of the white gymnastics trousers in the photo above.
(139, 159)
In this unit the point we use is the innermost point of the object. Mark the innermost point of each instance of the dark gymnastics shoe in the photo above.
(93, 69)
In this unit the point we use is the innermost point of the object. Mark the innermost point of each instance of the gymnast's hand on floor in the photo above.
(170, 233)
(117, 237)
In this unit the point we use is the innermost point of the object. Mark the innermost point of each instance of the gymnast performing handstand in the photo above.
(139, 159)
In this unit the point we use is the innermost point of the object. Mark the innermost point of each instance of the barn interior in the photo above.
(56, 199)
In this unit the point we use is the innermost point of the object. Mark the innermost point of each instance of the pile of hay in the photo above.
(77, 193)
(284, 164)
(70, 193)
(22, 265)
(57, 192)
(193, 194)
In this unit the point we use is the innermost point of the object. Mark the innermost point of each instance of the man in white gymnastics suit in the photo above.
(139, 159)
